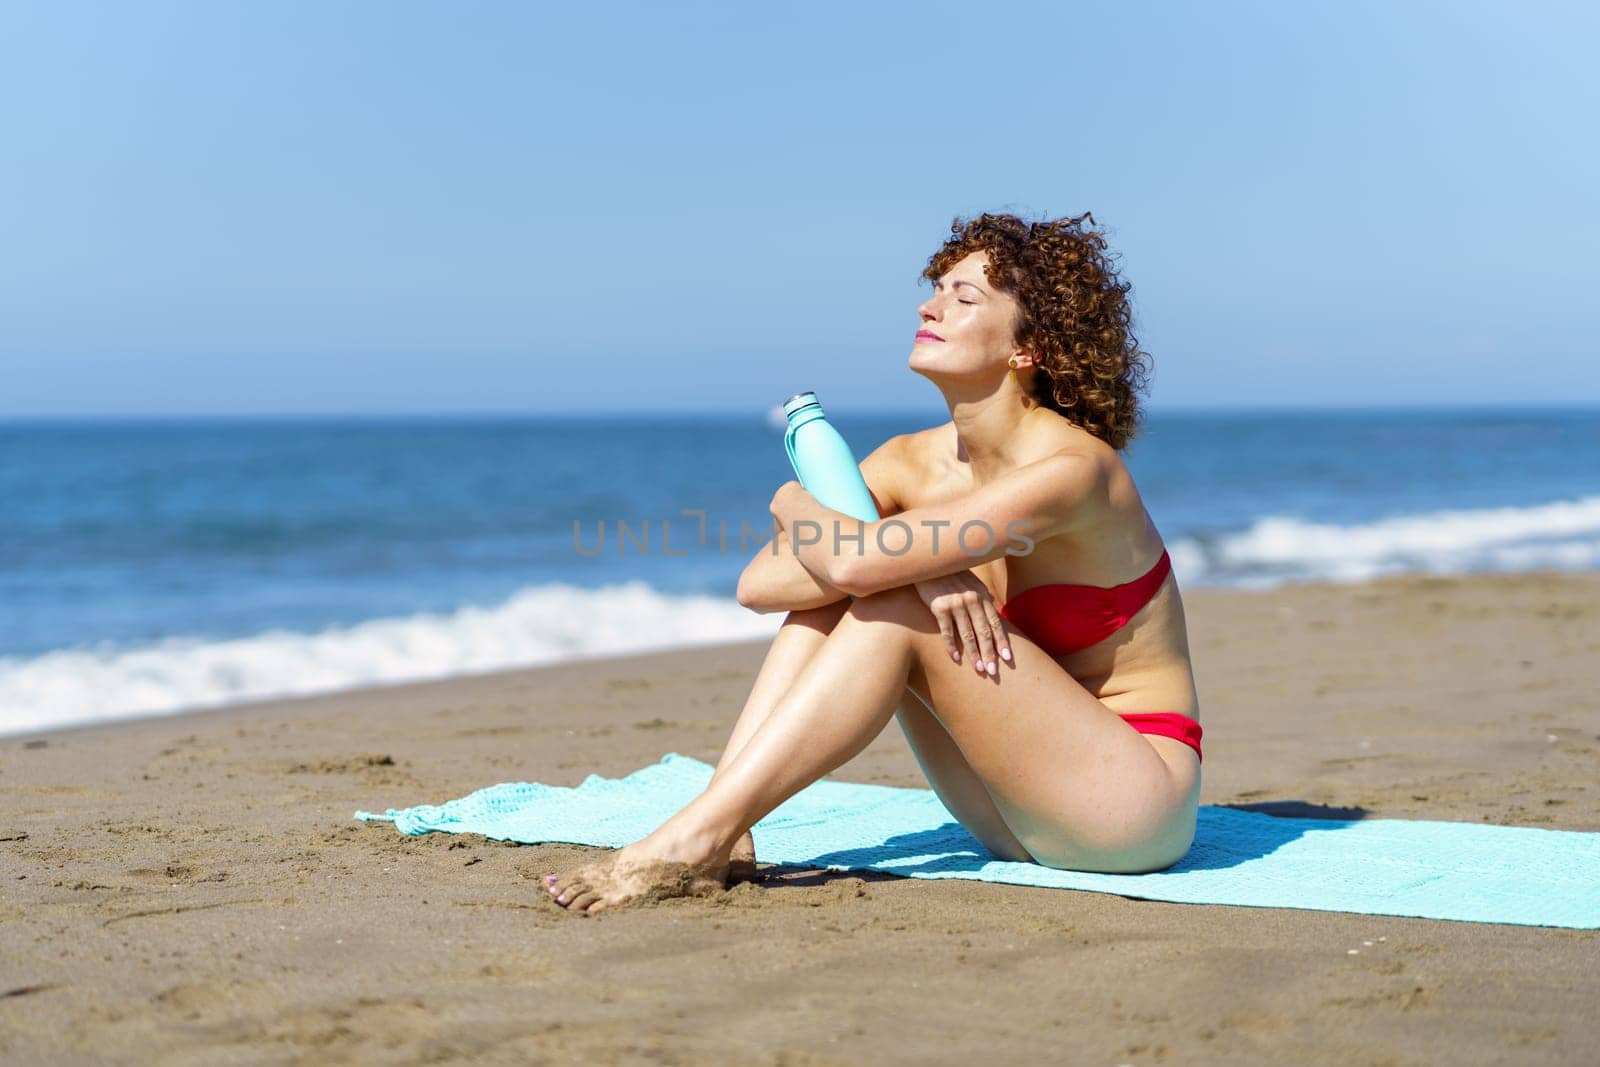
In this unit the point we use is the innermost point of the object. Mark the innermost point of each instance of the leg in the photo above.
(798, 639)
(958, 787)
(1075, 783)
(954, 781)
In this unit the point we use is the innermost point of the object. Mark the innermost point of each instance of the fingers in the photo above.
(969, 636)
(991, 662)
(947, 627)
(971, 626)
(977, 622)
(997, 625)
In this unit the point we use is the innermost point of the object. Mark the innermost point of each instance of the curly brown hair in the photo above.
(1075, 316)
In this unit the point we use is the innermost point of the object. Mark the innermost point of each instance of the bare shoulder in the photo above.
(928, 467)
(900, 472)
(924, 464)
(889, 475)
(1053, 434)
(1104, 485)
(921, 450)
(1082, 476)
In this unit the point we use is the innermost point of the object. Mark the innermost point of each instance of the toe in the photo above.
(583, 901)
(570, 891)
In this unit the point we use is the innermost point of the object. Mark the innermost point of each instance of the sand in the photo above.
(192, 889)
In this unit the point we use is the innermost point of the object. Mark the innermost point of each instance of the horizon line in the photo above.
(734, 413)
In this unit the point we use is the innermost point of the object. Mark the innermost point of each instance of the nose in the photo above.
(925, 312)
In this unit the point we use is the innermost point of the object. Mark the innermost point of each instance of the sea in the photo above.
(156, 566)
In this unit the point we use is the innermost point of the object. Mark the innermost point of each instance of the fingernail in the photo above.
(993, 669)
(980, 666)
(956, 656)
(1005, 654)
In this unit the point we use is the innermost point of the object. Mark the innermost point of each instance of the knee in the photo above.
(823, 618)
(900, 604)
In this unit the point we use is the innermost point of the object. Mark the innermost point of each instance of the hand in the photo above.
(968, 619)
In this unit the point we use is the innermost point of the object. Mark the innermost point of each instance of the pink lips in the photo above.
(924, 335)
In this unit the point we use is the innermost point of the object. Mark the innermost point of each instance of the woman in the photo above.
(1044, 683)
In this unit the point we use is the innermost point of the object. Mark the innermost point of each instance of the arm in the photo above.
(1030, 504)
(775, 581)
(780, 582)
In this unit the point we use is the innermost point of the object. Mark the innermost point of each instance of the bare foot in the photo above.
(656, 868)
(742, 860)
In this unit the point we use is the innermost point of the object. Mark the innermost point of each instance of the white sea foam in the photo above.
(1564, 535)
(540, 625)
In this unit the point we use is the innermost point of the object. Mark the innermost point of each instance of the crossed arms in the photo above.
(825, 555)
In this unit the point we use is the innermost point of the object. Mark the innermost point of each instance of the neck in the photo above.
(989, 422)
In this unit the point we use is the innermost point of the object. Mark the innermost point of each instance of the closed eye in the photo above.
(940, 285)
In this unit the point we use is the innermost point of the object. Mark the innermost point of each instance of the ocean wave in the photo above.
(1564, 535)
(537, 626)
(559, 622)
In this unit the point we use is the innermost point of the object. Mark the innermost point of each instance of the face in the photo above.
(971, 319)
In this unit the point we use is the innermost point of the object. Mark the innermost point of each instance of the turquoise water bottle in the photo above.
(823, 461)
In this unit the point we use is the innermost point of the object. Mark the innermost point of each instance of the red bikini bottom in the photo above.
(1167, 724)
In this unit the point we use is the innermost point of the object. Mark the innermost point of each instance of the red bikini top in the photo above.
(1065, 618)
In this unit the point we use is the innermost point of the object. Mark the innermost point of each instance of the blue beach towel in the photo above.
(1434, 870)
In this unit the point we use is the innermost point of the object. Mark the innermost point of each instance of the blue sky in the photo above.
(507, 207)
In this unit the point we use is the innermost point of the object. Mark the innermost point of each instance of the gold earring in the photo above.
(1012, 363)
